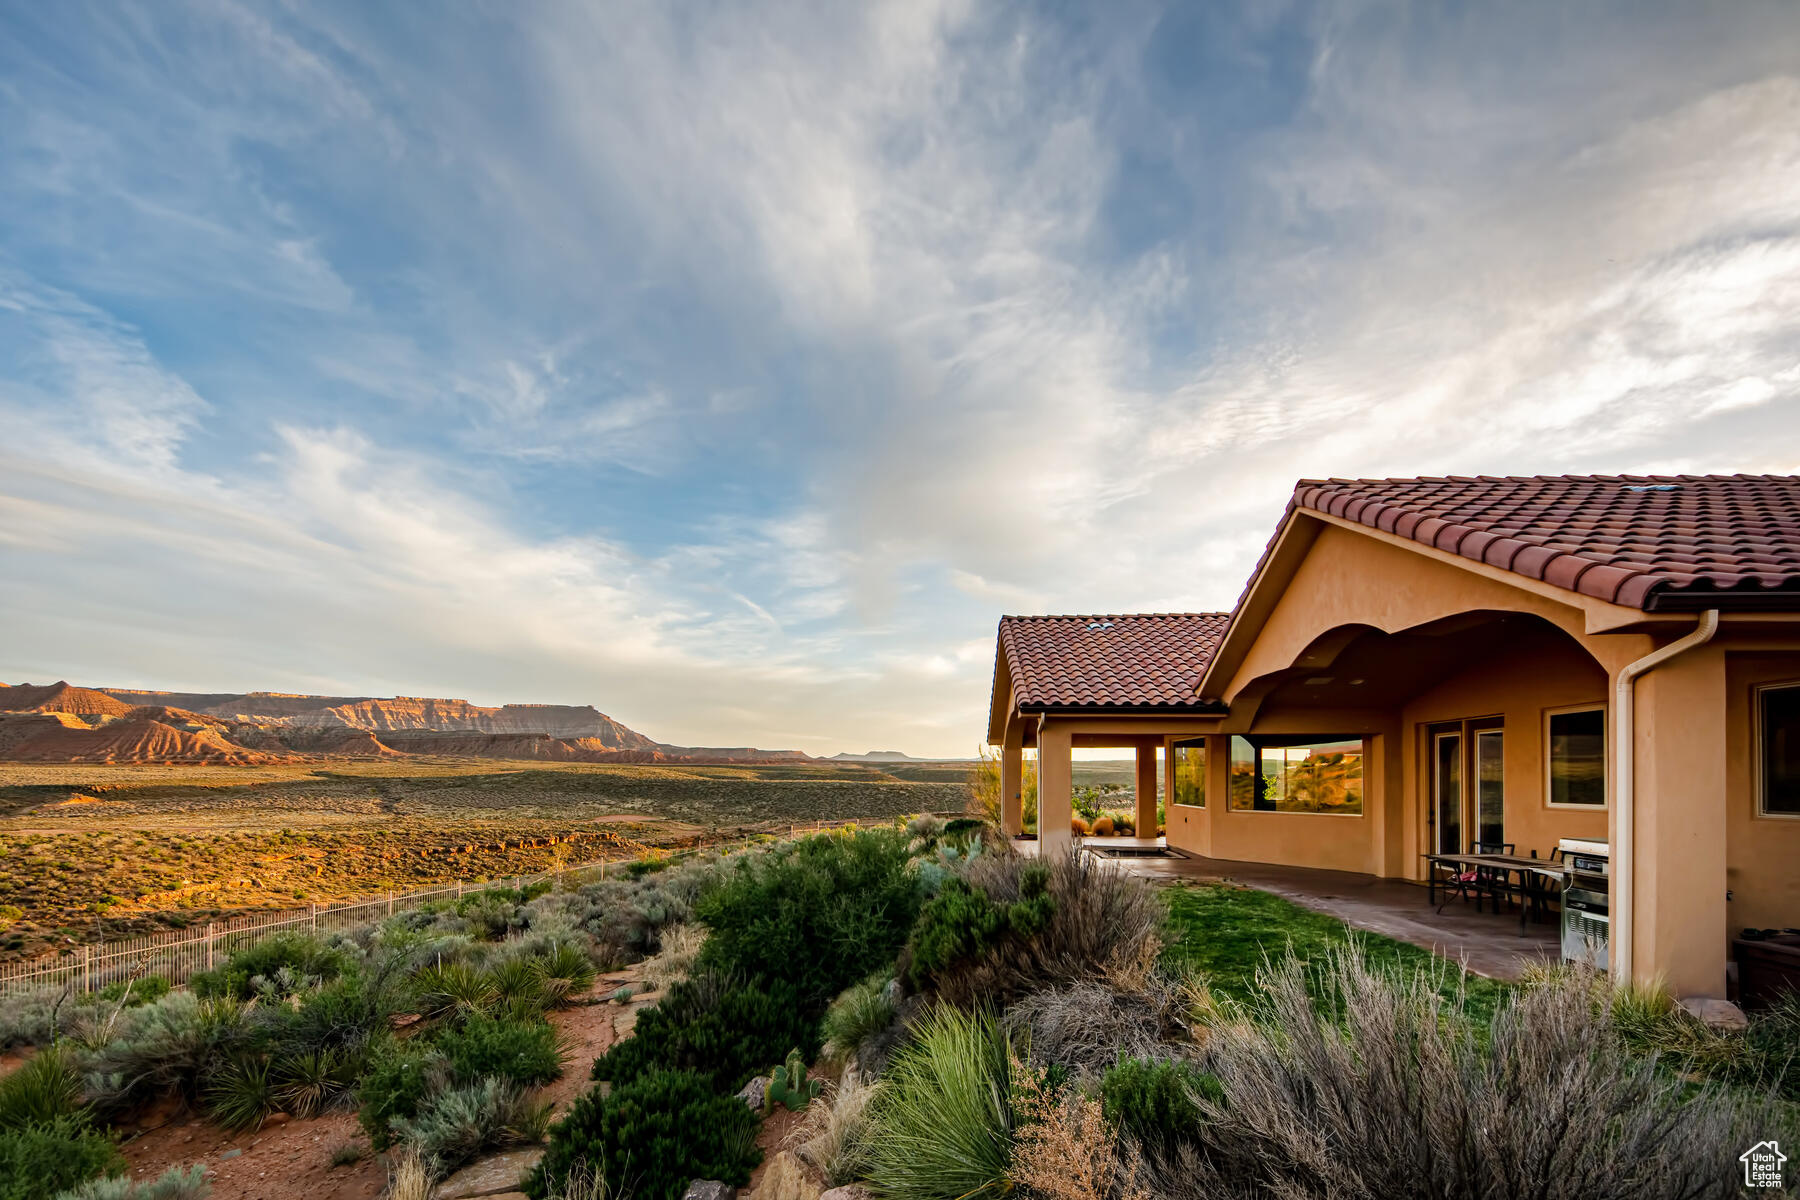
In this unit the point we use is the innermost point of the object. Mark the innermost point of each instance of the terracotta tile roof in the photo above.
(1648, 542)
(1138, 660)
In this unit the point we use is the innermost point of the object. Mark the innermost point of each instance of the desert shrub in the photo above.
(522, 1052)
(626, 917)
(456, 1125)
(177, 1183)
(344, 1016)
(283, 964)
(717, 1027)
(1064, 1147)
(651, 1137)
(241, 1094)
(135, 991)
(400, 1077)
(1764, 1057)
(984, 789)
(1078, 826)
(1102, 925)
(166, 1047)
(1088, 1027)
(863, 1010)
(491, 914)
(1156, 1102)
(26, 1019)
(38, 1161)
(963, 922)
(1387, 1089)
(941, 1126)
(1102, 826)
(45, 1089)
(819, 913)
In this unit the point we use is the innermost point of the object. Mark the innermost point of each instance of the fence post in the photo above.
(390, 903)
(315, 915)
(87, 968)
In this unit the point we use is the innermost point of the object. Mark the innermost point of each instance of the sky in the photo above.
(734, 367)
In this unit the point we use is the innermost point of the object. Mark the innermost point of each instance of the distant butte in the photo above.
(62, 723)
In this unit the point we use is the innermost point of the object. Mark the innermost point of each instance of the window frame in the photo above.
(1605, 804)
(1757, 763)
(1361, 739)
(1176, 744)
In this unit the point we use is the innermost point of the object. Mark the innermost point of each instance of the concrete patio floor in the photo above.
(1487, 943)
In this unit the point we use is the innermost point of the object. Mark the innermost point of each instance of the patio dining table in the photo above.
(1541, 870)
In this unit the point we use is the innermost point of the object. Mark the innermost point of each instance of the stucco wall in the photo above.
(1762, 853)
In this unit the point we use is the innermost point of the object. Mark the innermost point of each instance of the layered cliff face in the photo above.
(62, 723)
(380, 715)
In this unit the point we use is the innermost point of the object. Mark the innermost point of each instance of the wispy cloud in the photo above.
(733, 368)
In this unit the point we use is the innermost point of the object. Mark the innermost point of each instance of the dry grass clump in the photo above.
(409, 1176)
(1386, 1089)
(1064, 1148)
(784, 1179)
(674, 962)
(1087, 1026)
(832, 1136)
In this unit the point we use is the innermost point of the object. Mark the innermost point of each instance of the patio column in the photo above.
(1054, 809)
(1682, 922)
(1012, 780)
(1146, 791)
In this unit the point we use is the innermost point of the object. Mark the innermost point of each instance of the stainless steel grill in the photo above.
(1586, 903)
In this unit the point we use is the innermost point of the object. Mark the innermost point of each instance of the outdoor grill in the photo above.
(1586, 917)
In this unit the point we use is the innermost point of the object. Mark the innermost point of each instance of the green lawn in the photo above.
(1226, 932)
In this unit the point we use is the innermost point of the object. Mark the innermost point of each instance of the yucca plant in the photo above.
(562, 973)
(453, 990)
(45, 1088)
(241, 1095)
(314, 1081)
(942, 1125)
(518, 986)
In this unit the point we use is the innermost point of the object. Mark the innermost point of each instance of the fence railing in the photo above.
(180, 954)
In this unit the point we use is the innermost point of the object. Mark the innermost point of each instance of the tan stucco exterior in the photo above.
(1349, 632)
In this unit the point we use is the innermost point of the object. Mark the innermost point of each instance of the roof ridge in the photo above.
(1619, 478)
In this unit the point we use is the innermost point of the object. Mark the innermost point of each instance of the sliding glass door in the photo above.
(1468, 786)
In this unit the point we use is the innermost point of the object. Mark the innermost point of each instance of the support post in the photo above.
(1146, 791)
(1054, 786)
(1012, 780)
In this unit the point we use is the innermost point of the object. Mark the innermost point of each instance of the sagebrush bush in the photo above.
(1387, 1089)
(1102, 925)
(38, 1161)
(942, 1126)
(523, 1052)
(1157, 1102)
(818, 914)
(455, 1126)
(166, 1047)
(721, 1028)
(177, 1183)
(43, 1090)
(650, 1137)
(282, 964)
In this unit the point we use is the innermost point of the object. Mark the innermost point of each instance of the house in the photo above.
(1425, 665)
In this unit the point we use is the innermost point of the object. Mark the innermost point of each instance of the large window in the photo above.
(1323, 776)
(1190, 774)
(1778, 750)
(1575, 745)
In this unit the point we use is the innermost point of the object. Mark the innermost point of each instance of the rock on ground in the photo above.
(755, 1093)
(1721, 1015)
(709, 1189)
(496, 1176)
(850, 1191)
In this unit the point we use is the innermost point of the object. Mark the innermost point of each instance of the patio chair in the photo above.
(1479, 881)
